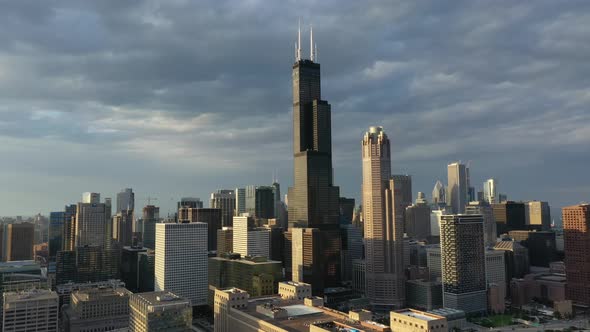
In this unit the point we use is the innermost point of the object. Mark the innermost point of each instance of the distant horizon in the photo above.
(182, 100)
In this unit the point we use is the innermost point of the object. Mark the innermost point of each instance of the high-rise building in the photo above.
(404, 185)
(91, 222)
(352, 248)
(87, 264)
(225, 240)
(489, 224)
(151, 215)
(69, 229)
(123, 227)
(190, 202)
(130, 267)
(438, 194)
(417, 219)
(125, 200)
(313, 199)
(509, 216)
(159, 311)
(249, 240)
(463, 263)
(19, 241)
(181, 260)
(31, 310)
(225, 200)
(346, 207)
(213, 218)
(260, 201)
(146, 266)
(383, 223)
(457, 188)
(278, 204)
(490, 191)
(56, 232)
(496, 278)
(97, 309)
(240, 201)
(541, 245)
(305, 245)
(537, 215)
(576, 227)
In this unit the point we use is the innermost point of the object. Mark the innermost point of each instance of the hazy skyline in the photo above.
(180, 98)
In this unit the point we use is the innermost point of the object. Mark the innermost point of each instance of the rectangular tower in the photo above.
(463, 263)
(181, 260)
(458, 186)
(576, 226)
(313, 199)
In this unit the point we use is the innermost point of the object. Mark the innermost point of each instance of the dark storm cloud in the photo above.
(183, 97)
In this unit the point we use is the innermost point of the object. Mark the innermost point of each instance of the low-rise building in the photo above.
(456, 319)
(293, 290)
(423, 294)
(410, 320)
(159, 311)
(34, 310)
(97, 309)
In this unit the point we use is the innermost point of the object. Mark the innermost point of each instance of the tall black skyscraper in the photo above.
(313, 199)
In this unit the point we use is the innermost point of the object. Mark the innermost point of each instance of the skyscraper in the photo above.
(403, 183)
(313, 199)
(438, 194)
(417, 219)
(151, 215)
(463, 263)
(91, 221)
(383, 223)
(249, 240)
(181, 260)
(240, 201)
(537, 215)
(31, 310)
(276, 190)
(489, 224)
(226, 201)
(490, 191)
(458, 186)
(56, 232)
(123, 227)
(159, 311)
(576, 226)
(19, 241)
(125, 200)
(190, 202)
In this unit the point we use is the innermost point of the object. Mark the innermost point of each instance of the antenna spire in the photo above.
(298, 58)
(311, 52)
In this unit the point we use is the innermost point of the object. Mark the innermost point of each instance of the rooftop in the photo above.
(419, 314)
(160, 298)
(35, 294)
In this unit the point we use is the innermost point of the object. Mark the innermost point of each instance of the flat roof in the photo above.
(418, 314)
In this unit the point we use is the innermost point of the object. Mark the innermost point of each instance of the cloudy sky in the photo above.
(179, 98)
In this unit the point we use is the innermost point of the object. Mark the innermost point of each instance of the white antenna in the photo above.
(299, 42)
(311, 53)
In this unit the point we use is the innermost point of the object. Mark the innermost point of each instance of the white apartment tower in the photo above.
(181, 260)
(383, 223)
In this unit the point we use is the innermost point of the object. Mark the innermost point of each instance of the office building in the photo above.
(56, 232)
(576, 227)
(463, 263)
(249, 240)
(19, 241)
(543, 286)
(509, 216)
(130, 267)
(417, 219)
(213, 218)
(490, 191)
(456, 319)
(541, 245)
(65, 291)
(235, 310)
(97, 309)
(457, 187)
(260, 201)
(190, 202)
(91, 222)
(383, 222)
(240, 208)
(225, 240)
(424, 295)
(410, 320)
(159, 311)
(516, 258)
(346, 207)
(438, 194)
(291, 290)
(225, 200)
(146, 267)
(352, 248)
(489, 224)
(278, 212)
(69, 229)
(496, 279)
(31, 310)
(87, 264)
(256, 275)
(537, 215)
(125, 200)
(181, 260)
(123, 227)
(151, 215)
(306, 243)
(313, 199)
(359, 284)
(404, 185)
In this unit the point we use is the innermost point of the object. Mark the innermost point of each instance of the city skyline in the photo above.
(144, 116)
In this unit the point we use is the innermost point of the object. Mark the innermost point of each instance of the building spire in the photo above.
(311, 52)
(298, 56)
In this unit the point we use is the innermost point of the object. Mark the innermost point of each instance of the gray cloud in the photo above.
(181, 98)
